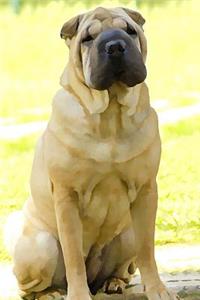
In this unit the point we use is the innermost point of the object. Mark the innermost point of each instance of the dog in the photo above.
(91, 215)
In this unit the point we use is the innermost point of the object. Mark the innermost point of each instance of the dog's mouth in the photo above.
(118, 73)
(127, 76)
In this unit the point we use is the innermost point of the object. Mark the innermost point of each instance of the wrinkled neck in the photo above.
(110, 121)
(110, 113)
(93, 101)
(126, 110)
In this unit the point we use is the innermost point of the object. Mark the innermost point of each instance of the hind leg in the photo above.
(124, 263)
(118, 261)
(37, 259)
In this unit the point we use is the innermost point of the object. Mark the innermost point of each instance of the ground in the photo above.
(179, 266)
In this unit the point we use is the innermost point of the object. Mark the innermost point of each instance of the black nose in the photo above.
(115, 48)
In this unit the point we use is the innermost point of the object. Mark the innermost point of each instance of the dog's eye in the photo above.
(88, 38)
(130, 30)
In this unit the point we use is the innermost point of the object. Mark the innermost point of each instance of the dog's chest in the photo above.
(105, 210)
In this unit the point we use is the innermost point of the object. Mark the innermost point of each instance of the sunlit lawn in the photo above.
(32, 59)
(178, 217)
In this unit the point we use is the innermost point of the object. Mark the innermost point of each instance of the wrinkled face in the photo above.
(109, 47)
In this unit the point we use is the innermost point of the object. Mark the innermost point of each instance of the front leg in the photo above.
(70, 236)
(143, 214)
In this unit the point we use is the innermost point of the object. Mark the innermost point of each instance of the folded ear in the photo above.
(69, 28)
(135, 16)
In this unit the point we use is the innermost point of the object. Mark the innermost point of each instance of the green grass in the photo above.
(178, 217)
(33, 55)
(179, 211)
(15, 166)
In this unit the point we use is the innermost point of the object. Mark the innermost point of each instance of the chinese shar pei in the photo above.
(91, 215)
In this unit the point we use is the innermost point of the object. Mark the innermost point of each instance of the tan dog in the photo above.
(93, 185)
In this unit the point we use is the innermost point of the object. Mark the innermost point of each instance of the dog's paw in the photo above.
(79, 297)
(51, 294)
(160, 292)
(114, 286)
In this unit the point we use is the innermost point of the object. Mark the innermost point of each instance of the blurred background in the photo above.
(32, 57)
